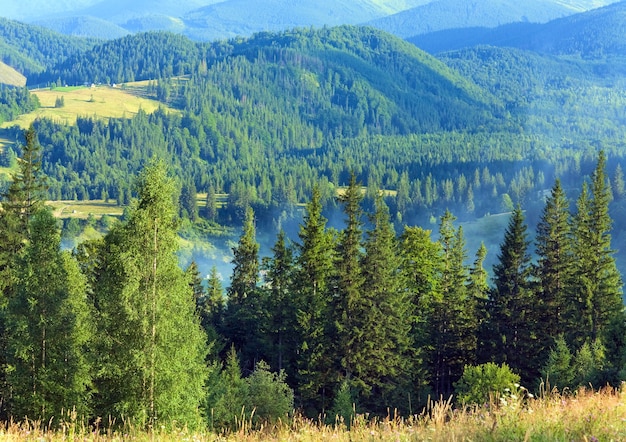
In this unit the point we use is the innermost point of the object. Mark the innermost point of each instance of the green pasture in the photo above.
(99, 101)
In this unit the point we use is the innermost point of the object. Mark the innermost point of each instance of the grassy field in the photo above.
(586, 416)
(8, 75)
(100, 101)
(82, 209)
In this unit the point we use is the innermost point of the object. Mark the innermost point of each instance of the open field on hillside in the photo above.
(101, 101)
(8, 75)
(586, 416)
(82, 209)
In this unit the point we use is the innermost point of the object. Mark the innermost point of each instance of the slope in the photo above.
(449, 14)
(83, 26)
(29, 49)
(10, 76)
(592, 34)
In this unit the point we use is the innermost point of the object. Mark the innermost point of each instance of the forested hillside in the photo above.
(30, 49)
(354, 320)
(593, 34)
(372, 149)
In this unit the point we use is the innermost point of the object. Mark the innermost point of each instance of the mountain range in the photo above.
(212, 19)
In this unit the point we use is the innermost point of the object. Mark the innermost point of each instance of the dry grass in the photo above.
(100, 101)
(82, 209)
(8, 75)
(585, 416)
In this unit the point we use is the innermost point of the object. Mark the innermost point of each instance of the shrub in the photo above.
(268, 394)
(480, 382)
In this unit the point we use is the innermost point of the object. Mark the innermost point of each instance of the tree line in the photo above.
(117, 330)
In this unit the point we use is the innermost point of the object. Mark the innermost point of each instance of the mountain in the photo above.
(30, 49)
(450, 14)
(375, 63)
(244, 17)
(199, 19)
(10, 76)
(592, 34)
(83, 26)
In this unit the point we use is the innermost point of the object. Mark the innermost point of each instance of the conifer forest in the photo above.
(341, 169)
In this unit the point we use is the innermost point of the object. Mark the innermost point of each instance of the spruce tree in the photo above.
(314, 268)
(453, 339)
(152, 349)
(281, 308)
(48, 330)
(596, 281)
(246, 319)
(382, 316)
(27, 191)
(513, 308)
(553, 268)
(348, 283)
(421, 267)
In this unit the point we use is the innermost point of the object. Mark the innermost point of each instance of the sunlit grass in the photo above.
(584, 416)
(101, 101)
(82, 209)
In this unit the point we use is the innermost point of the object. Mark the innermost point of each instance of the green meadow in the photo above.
(100, 101)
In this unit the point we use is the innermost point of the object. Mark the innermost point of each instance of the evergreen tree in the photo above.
(382, 316)
(151, 347)
(597, 285)
(210, 205)
(513, 308)
(553, 268)
(189, 202)
(314, 267)
(48, 330)
(27, 191)
(349, 284)
(478, 293)
(278, 278)
(453, 339)
(246, 319)
(421, 269)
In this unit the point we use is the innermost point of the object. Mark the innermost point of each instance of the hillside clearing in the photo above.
(99, 101)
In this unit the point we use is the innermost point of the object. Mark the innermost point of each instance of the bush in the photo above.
(268, 394)
(479, 383)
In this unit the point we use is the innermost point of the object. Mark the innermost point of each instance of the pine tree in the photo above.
(597, 283)
(348, 283)
(513, 308)
(382, 316)
(151, 348)
(48, 329)
(314, 267)
(279, 269)
(453, 339)
(246, 319)
(553, 268)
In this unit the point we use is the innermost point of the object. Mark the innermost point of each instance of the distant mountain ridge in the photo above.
(451, 14)
(219, 19)
(592, 34)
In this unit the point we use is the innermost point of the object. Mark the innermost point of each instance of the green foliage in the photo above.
(269, 397)
(558, 371)
(480, 384)
(344, 405)
(151, 342)
(49, 330)
(227, 395)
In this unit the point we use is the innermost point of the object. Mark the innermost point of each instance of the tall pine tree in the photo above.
(597, 285)
(513, 308)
